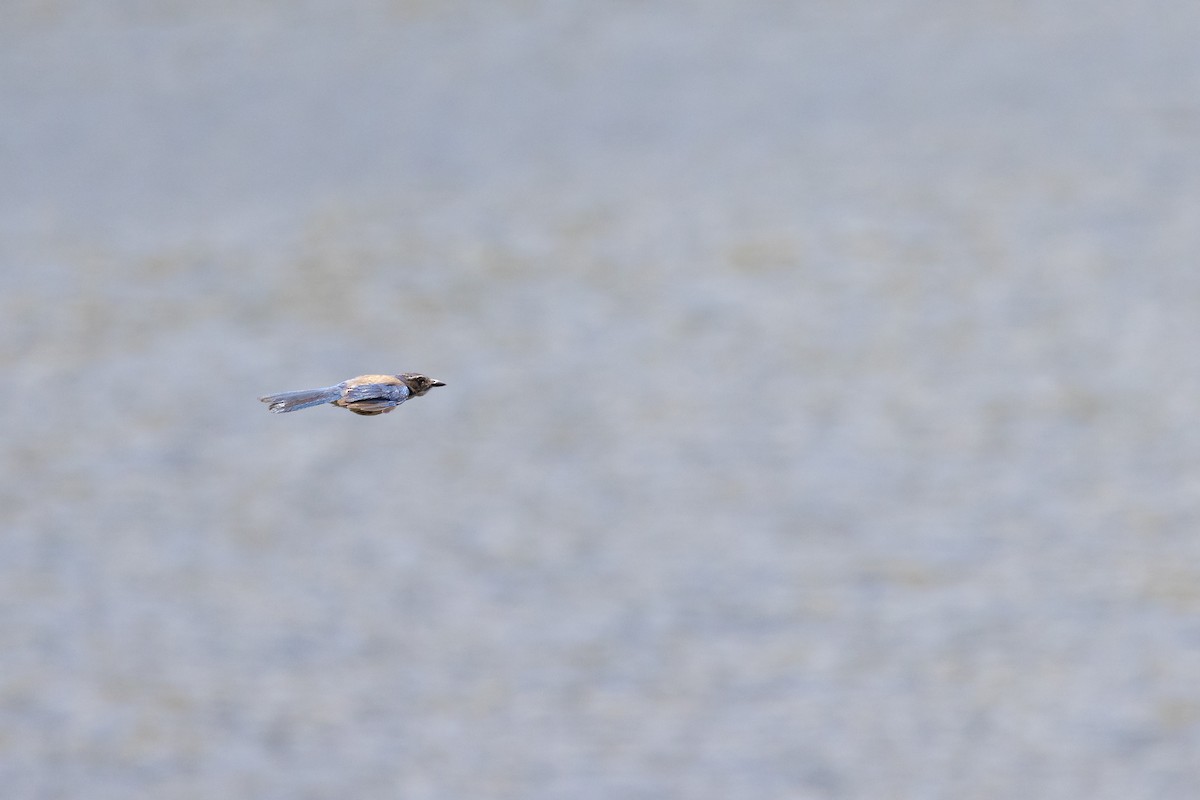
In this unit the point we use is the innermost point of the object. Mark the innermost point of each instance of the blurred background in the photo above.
(820, 418)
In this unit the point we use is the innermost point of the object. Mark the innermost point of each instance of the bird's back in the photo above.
(362, 380)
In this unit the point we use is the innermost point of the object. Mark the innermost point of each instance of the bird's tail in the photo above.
(294, 401)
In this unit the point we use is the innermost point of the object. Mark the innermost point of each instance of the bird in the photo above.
(367, 394)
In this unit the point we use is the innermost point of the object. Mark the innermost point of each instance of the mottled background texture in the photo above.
(821, 417)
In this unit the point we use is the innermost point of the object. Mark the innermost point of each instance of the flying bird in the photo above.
(367, 394)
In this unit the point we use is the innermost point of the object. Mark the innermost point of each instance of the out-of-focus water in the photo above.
(820, 418)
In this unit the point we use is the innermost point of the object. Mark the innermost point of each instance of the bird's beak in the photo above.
(436, 382)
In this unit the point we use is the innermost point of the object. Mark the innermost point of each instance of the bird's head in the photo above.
(419, 384)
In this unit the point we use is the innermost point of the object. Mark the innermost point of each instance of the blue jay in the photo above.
(367, 394)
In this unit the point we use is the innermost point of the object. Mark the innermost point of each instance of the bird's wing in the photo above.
(385, 393)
